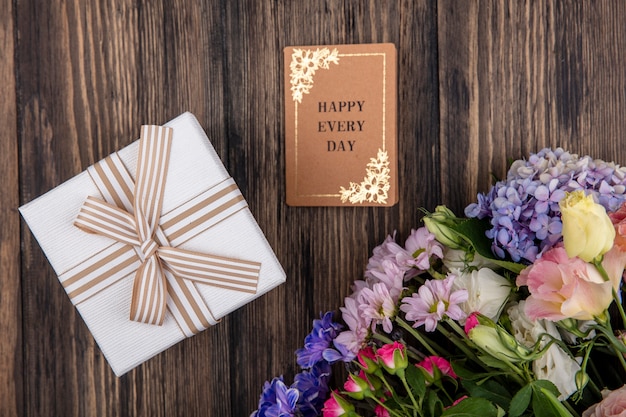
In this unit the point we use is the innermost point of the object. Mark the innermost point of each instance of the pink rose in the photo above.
(431, 362)
(393, 357)
(471, 322)
(336, 406)
(367, 359)
(381, 411)
(612, 405)
(356, 387)
(562, 287)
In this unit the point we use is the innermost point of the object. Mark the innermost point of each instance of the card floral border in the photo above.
(376, 184)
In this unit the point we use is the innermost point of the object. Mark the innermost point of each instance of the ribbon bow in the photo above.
(161, 269)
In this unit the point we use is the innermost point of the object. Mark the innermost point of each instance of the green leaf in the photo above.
(520, 401)
(556, 404)
(472, 407)
(547, 385)
(545, 401)
(490, 390)
(433, 404)
(473, 230)
(415, 379)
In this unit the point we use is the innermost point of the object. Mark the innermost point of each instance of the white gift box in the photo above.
(194, 171)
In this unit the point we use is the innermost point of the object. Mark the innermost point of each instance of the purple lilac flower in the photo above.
(277, 400)
(434, 301)
(523, 210)
(318, 341)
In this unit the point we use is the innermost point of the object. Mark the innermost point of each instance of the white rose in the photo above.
(555, 365)
(487, 292)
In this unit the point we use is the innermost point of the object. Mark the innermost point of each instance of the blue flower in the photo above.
(319, 340)
(313, 387)
(277, 400)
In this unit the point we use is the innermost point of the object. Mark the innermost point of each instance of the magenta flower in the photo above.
(367, 359)
(357, 387)
(336, 406)
(436, 366)
(378, 306)
(381, 411)
(393, 357)
(471, 322)
(433, 302)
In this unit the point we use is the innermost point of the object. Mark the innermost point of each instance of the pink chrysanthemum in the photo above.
(358, 326)
(392, 276)
(378, 306)
(434, 301)
(420, 246)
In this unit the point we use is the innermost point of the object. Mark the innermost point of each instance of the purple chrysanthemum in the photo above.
(277, 400)
(523, 209)
(434, 301)
(377, 306)
(313, 388)
(318, 341)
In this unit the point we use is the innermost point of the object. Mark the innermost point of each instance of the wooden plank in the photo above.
(108, 69)
(478, 82)
(323, 250)
(517, 77)
(78, 104)
(603, 106)
(11, 377)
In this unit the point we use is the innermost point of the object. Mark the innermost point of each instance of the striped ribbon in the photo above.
(146, 241)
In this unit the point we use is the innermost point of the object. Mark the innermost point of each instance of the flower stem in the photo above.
(393, 394)
(408, 390)
(428, 344)
(382, 338)
(620, 307)
(389, 410)
(570, 408)
(618, 347)
(461, 345)
(598, 264)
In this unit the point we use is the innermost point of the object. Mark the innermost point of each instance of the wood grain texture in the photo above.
(479, 82)
(11, 377)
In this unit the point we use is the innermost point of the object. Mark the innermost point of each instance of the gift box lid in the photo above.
(194, 170)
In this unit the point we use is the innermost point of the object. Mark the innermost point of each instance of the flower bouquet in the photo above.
(514, 309)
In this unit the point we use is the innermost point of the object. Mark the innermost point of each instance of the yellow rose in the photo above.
(587, 229)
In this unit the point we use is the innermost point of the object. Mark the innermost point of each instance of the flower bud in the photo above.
(581, 379)
(587, 230)
(367, 360)
(498, 343)
(356, 387)
(439, 224)
(393, 357)
(337, 406)
(435, 368)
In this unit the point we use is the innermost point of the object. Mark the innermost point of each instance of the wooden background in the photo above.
(479, 82)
